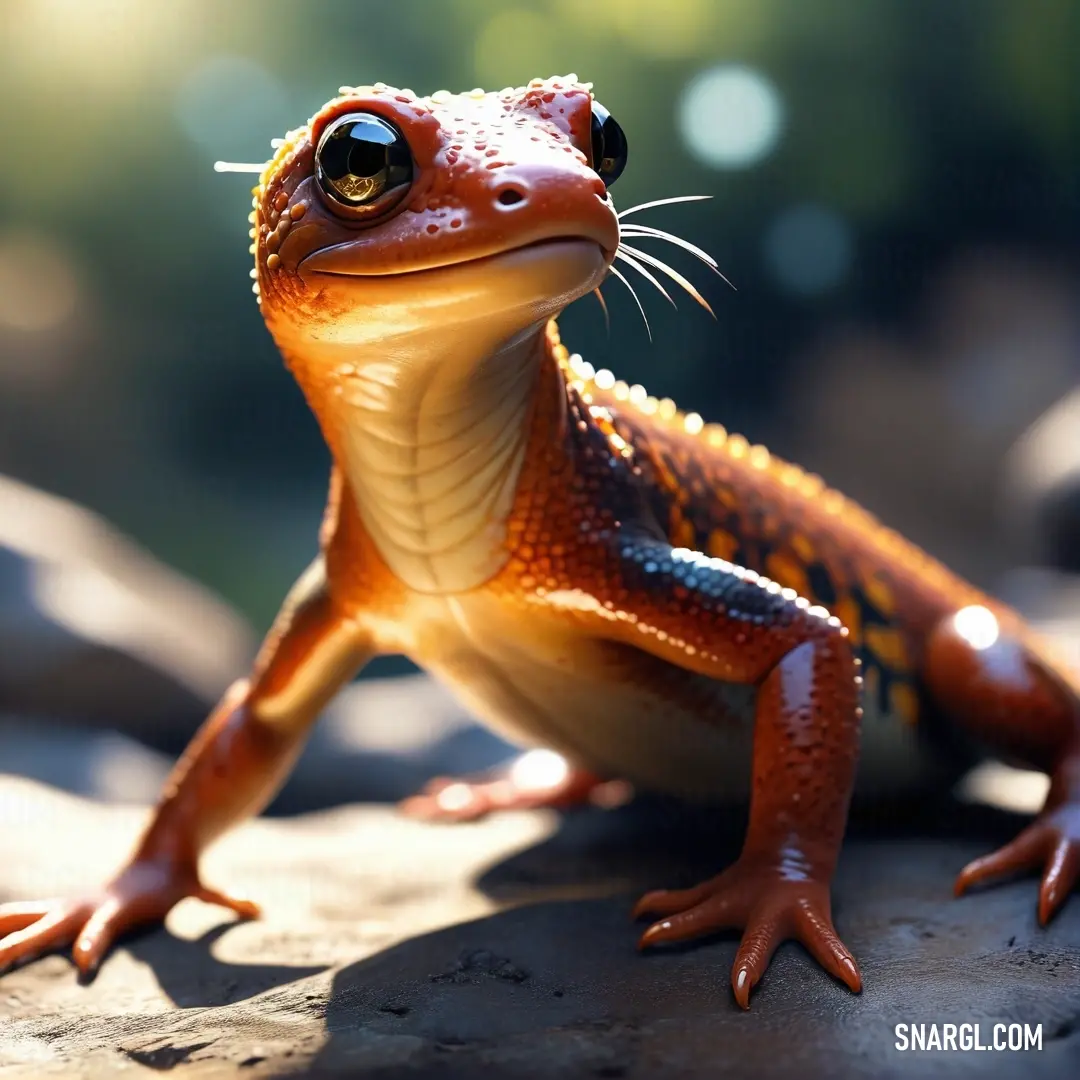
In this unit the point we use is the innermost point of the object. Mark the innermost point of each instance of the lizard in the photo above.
(591, 570)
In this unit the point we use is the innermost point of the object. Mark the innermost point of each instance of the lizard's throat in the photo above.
(432, 446)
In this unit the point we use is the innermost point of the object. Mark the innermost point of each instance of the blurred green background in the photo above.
(896, 197)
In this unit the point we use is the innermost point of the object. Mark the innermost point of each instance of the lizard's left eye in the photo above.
(608, 145)
(363, 164)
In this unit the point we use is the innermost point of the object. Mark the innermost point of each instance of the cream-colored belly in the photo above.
(613, 708)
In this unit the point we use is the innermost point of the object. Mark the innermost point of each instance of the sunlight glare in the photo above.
(104, 43)
(977, 626)
(539, 769)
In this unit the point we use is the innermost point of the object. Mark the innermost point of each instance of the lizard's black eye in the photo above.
(363, 164)
(608, 145)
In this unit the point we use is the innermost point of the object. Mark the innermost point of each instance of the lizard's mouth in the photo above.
(513, 287)
(351, 259)
(491, 295)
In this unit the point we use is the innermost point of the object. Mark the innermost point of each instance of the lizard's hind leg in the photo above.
(996, 686)
(536, 779)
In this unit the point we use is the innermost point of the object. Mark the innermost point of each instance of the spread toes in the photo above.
(1051, 843)
(768, 909)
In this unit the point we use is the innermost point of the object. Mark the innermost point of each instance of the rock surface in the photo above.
(395, 949)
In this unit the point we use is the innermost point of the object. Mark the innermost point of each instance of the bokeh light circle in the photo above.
(39, 287)
(730, 116)
(809, 249)
(231, 106)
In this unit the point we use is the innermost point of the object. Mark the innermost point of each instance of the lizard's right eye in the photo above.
(608, 145)
(363, 165)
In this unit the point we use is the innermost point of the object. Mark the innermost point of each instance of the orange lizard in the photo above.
(591, 570)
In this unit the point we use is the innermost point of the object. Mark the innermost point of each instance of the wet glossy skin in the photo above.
(571, 556)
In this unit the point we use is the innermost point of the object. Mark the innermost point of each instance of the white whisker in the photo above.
(643, 232)
(662, 202)
(603, 307)
(671, 238)
(675, 276)
(663, 234)
(644, 272)
(622, 278)
(238, 166)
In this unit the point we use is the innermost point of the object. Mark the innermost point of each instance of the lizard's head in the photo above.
(391, 215)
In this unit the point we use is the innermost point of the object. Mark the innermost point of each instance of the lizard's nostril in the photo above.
(511, 196)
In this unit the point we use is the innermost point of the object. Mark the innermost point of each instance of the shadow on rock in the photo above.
(556, 988)
(192, 977)
(656, 842)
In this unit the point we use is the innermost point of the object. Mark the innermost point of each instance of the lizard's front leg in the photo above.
(710, 617)
(231, 770)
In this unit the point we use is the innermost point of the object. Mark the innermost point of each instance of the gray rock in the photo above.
(1040, 505)
(391, 948)
(94, 631)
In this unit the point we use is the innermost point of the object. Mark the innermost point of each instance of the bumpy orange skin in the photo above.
(631, 523)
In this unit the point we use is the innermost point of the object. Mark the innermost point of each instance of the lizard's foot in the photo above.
(1050, 843)
(537, 779)
(141, 895)
(768, 908)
